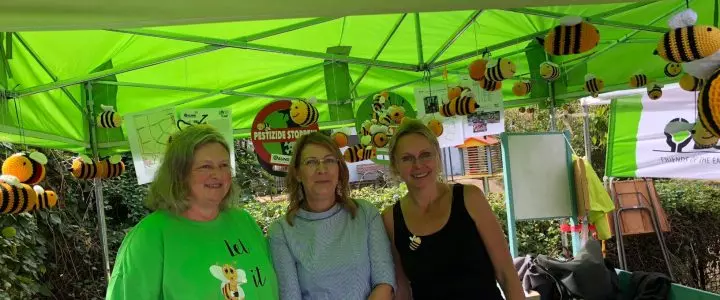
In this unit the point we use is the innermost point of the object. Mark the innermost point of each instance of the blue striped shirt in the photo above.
(329, 255)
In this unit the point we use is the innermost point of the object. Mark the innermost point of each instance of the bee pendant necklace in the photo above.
(415, 240)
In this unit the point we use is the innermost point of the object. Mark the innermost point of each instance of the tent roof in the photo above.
(244, 65)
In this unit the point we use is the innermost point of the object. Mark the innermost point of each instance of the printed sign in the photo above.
(220, 118)
(275, 129)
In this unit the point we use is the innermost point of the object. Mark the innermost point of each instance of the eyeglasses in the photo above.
(314, 163)
(424, 157)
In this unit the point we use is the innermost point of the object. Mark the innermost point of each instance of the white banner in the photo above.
(148, 134)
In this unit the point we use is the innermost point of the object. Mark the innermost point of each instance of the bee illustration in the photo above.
(340, 138)
(108, 118)
(691, 83)
(263, 126)
(303, 113)
(572, 36)
(29, 168)
(593, 85)
(358, 153)
(415, 242)
(396, 113)
(499, 69)
(460, 106)
(490, 85)
(549, 71)
(702, 138)
(46, 198)
(16, 197)
(477, 68)
(654, 92)
(522, 88)
(638, 80)
(673, 69)
(379, 135)
(708, 105)
(230, 281)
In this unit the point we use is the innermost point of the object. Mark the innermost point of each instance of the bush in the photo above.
(22, 258)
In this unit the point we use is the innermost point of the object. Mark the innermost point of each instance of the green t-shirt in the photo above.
(170, 257)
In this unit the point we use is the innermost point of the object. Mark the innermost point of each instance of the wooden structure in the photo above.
(482, 156)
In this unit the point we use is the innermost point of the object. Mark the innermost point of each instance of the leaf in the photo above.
(55, 219)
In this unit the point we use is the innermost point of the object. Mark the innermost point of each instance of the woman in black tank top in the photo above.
(447, 242)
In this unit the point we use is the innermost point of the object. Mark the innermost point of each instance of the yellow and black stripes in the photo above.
(709, 104)
(16, 199)
(571, 39)
(108, 119)
(686, 44)
(691, 83)
(638, 80)
(303, 113)
(672, 69)
(463, 105)
(46, 199)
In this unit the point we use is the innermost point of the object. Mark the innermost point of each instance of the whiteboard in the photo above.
(538, 175)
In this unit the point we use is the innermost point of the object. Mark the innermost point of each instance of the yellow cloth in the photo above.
(599, 203)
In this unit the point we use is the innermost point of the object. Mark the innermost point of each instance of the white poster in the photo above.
(489, 118)
(148, 134)
(429, 100)
(220, 118)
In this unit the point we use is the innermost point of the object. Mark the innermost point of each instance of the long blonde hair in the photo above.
(296, 194)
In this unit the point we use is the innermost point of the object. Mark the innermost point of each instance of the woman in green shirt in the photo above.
(193, 246)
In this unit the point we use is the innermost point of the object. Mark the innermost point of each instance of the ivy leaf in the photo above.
(55, 219)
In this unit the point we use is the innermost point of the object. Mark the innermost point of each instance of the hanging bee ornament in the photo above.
(340, 138)
(28, 168)
(85, 168)
(463, 105)
(522, 88)
(304, 113)
(672, 69)
(396, 113)
(654, 91)
(697, 47)
(593, 85)
(572, 36)
(499, 69)
(638, 80)
(709, 104)
(702, 138)
(16, 197)
(379, 135)
(46, 198)
(489, 85)
(108, 118)
(549, 71)
(477, 68)
(691, 83)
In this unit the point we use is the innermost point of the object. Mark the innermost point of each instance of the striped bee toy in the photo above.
(340, 138)
(686, 41)
(477, 68)
(303, 113)
(379, 135)
(499, 69)
(702, 138)
(28, 168)
(549, 71)
(108, 118)
(654, 91)
(691, 83)
(638, 80)
(709, 104)
(593, 85)
(672, 69)
(46, 198)
(490, 85)
(572, 36)
(16, 197)
(522, 88)
(358, 153)
(84, 168)
(459, 106)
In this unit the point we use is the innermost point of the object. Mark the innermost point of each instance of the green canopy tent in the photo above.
(61, 61)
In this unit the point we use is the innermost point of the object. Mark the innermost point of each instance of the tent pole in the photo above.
(586, 133)
(470, 20)
(379, 51)
(418, 39)
(97, 183)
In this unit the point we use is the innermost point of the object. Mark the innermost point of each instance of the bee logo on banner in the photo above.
(220, 118)
(275, 129)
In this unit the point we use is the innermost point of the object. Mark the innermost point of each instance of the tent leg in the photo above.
(586, 133)
(99, 202)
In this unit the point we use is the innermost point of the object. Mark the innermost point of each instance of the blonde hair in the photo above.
(412, 126)
(296, 193)
(170, 188)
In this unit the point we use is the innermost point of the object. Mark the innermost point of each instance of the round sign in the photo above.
(275, 129)
(384, 110)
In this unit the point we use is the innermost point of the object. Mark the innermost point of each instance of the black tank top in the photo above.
(451, 263)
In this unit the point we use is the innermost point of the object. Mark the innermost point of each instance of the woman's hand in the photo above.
(381, 291)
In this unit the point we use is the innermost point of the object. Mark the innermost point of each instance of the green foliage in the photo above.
(252, 179)
(22, 258)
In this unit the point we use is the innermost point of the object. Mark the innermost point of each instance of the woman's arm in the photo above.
(494, 240)
(381, 260)
(284, 263)
(402, 291)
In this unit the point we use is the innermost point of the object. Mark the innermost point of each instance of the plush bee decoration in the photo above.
(379, 101)
(702, 138)
(433, 124)
(638, 80)
(304, 112)
(28, 168)
(572, 36)
(108, 118)
(358, 153)
(396, 113)
(593, 85)
(16, 197)
(477, 68)
(549, 71)
(499, 69)
(489, 85)
(340, 138)
(459, 106)
(697, 47)
(522, 88)
(85, 168)
(673, 69)
(378, 134)
(654, 91)
(46, 198)
(456, 91)
(690, 83)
